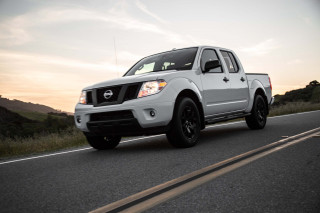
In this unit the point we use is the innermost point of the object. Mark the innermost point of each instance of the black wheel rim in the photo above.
(261, 112)
(108, 139)
(189, 122)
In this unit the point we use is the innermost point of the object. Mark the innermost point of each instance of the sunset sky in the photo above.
(50, 50)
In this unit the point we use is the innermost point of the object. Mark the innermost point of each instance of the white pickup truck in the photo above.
(178, 93)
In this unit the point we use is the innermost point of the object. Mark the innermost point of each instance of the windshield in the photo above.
(174, 60)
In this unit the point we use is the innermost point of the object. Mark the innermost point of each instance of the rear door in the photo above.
(239, 91)
(215, 85)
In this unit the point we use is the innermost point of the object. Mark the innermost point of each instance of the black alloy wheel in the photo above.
(103, 142)
(185, 124)
(258, 117)
(261, 112)
(189, 122)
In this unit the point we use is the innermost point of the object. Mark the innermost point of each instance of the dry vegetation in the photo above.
(41, 143)
(293, 107)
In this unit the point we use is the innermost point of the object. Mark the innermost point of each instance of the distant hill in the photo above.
(311, 93)
(28, 124)
(12, 124)
(6, 116)
(16, 105)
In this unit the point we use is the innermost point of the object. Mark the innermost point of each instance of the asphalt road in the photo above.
(286, 181)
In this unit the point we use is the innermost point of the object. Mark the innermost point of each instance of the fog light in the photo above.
(78, 119)
(152, 113)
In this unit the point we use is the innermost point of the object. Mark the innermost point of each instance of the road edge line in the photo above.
(135, 139)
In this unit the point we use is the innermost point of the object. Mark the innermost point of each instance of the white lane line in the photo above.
(135, 139)
(66, 152)
(43, 156)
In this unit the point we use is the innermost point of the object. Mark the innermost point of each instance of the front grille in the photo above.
(89, 97)
(132, 92)
(120, 94)
(109, 116)
(115, 94)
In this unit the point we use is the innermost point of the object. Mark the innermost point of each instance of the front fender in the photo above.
(180, 84)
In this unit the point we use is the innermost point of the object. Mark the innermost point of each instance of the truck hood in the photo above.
(133, 79)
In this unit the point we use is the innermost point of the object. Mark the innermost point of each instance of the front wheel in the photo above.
(103, 142)
(258, 117)
(185, 128)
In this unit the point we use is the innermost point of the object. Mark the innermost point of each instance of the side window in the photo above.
(209, 55)
(230, 61)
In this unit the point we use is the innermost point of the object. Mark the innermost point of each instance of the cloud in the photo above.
(18, 30)
(295, 62)
(11, 57)
(13, 31)
(262, 48)
(128, 57)
(144, 9)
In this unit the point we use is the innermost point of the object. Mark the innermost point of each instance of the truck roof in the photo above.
(200, 46)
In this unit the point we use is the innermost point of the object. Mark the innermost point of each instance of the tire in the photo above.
(258, 117)
(103, 142)
(185, 128)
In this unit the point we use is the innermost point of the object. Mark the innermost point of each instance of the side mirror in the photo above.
(211, 65)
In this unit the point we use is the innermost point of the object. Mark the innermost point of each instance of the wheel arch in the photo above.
(261, 92)
(191, 94)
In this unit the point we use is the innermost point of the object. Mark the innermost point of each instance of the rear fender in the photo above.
(253, 88)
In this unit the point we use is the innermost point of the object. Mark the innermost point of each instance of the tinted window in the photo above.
(174, 60)
(230, 61)
(209, 55)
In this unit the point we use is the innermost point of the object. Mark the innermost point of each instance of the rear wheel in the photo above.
(103, 142)
(258, 117)
(185, 129)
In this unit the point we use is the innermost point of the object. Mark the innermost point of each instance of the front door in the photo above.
(215, 85)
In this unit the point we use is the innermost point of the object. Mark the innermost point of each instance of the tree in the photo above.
(314, 83)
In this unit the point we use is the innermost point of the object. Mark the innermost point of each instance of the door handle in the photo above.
(242, 79)
(225, 79)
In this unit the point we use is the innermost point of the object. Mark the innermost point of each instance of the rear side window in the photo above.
(209, 55)
(230, 61)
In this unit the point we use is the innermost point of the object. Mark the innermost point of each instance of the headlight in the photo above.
(82, 99)
(151, 87)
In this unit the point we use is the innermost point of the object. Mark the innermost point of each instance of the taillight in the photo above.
(270, 83)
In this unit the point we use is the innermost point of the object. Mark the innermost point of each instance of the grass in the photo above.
(293, 107)
(36, 116)
(41, 143)
(74, 137)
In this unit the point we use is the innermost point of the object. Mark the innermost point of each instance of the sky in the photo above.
(50, 50)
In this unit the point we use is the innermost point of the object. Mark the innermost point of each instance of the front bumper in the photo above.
(141, 122)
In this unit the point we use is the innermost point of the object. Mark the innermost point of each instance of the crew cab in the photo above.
(178, 93)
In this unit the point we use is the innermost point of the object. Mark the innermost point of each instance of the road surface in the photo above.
(81, 181)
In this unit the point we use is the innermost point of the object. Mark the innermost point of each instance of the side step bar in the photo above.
(225, 118)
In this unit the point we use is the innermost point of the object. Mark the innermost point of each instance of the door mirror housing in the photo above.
(211, 65)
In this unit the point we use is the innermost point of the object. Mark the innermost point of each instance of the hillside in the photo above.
(7, 116)
(12, 124)
(28, 124)
(16, 105)
(311, 93)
